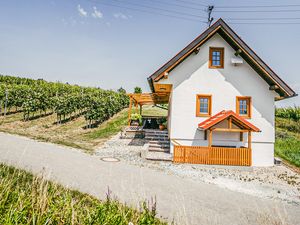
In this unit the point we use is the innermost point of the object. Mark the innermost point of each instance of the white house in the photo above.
(221, 99)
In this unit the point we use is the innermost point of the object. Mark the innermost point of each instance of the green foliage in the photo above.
(287, 144)
(136, 117)
(37, 96)
(289, 113)
(289, 149)
(162, 120)
(25, 199)
(121, 90)
(137, 90)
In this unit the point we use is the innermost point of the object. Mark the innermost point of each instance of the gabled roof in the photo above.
(223, 115)
(220, 27)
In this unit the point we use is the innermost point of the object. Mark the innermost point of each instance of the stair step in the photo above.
(166, 142)
(157, 138)
(157, 149)
(159, 145)
(156, 131)
(147, 134)
(159, 156)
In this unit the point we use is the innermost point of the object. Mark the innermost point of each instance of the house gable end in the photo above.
(220, 27)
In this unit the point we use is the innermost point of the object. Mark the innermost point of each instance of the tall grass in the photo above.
(289, 113)
(287, 144)
(26, 199)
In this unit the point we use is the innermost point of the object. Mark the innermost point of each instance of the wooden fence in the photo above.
(212, 155)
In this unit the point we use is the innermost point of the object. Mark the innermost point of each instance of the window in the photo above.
(243, 106)
(216, 58)
(203, 107)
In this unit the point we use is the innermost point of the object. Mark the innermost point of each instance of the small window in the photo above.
(243, 106)
(203, 107)
(216, 58)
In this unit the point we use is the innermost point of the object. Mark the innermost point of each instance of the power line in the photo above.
(147, 11)
(157, 8)
(257, 6)
(177, 5)
(193, 3)
(263, 23)
(284, 18)
(258, 11)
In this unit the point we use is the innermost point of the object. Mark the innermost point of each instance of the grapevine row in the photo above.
(38, 97)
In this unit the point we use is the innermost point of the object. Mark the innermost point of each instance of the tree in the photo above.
(137, 90)
(121, 90)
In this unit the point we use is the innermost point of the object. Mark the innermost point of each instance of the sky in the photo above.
(114, 43)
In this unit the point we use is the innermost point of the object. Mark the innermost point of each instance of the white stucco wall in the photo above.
(193, 77)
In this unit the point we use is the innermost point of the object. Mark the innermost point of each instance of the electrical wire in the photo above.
(177, 5)
(283, 18)
(147, 11)
(257, 6)
(270, 23)
(194, 3)
(157, 8)
(258, 11)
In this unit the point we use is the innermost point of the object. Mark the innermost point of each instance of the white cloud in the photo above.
(120, 16)
(97, 14)
(81, 11)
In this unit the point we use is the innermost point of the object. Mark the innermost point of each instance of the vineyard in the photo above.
(37, 98)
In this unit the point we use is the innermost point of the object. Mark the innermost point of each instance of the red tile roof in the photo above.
(221, 116)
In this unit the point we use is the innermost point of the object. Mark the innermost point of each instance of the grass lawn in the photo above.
(71, 133)
(287, 145)
(27, 199)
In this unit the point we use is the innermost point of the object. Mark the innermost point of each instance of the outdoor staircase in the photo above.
(159, 145)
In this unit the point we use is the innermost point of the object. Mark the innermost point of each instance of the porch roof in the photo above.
(232, 116)
(150, 98)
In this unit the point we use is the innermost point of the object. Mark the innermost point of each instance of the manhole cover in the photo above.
(110, 159)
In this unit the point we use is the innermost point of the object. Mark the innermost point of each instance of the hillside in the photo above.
(287, 145)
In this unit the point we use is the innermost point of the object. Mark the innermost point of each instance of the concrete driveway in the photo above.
(182, 200)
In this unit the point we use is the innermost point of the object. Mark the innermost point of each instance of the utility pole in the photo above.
(209, 11)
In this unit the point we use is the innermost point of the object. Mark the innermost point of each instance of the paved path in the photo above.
(185, 201)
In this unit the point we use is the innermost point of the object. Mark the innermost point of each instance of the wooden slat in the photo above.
(212, 155)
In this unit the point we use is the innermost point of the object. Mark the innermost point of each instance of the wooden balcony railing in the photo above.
(212, 155)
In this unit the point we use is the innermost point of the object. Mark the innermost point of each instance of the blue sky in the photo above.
(92, 43)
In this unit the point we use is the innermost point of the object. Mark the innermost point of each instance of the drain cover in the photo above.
(110, 159)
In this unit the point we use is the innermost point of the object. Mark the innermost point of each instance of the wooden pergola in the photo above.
(160, 96)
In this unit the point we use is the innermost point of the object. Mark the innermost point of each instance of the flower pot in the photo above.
(134, 123)
(162, 127)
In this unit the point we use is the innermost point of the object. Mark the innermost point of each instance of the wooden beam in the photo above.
(196, 51)
(241, 136)
(230, 123)
(249, 139)
(229, 130)
(141, 109)
(210, 138)
(129, 111)
(238, 52)
(273, 87)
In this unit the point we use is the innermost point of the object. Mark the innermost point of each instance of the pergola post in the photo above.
(136, 107)
(129, 110)
(249, 139)
(209, 138)
(141, 109)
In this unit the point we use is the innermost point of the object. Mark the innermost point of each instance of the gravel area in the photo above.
(277, 182)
